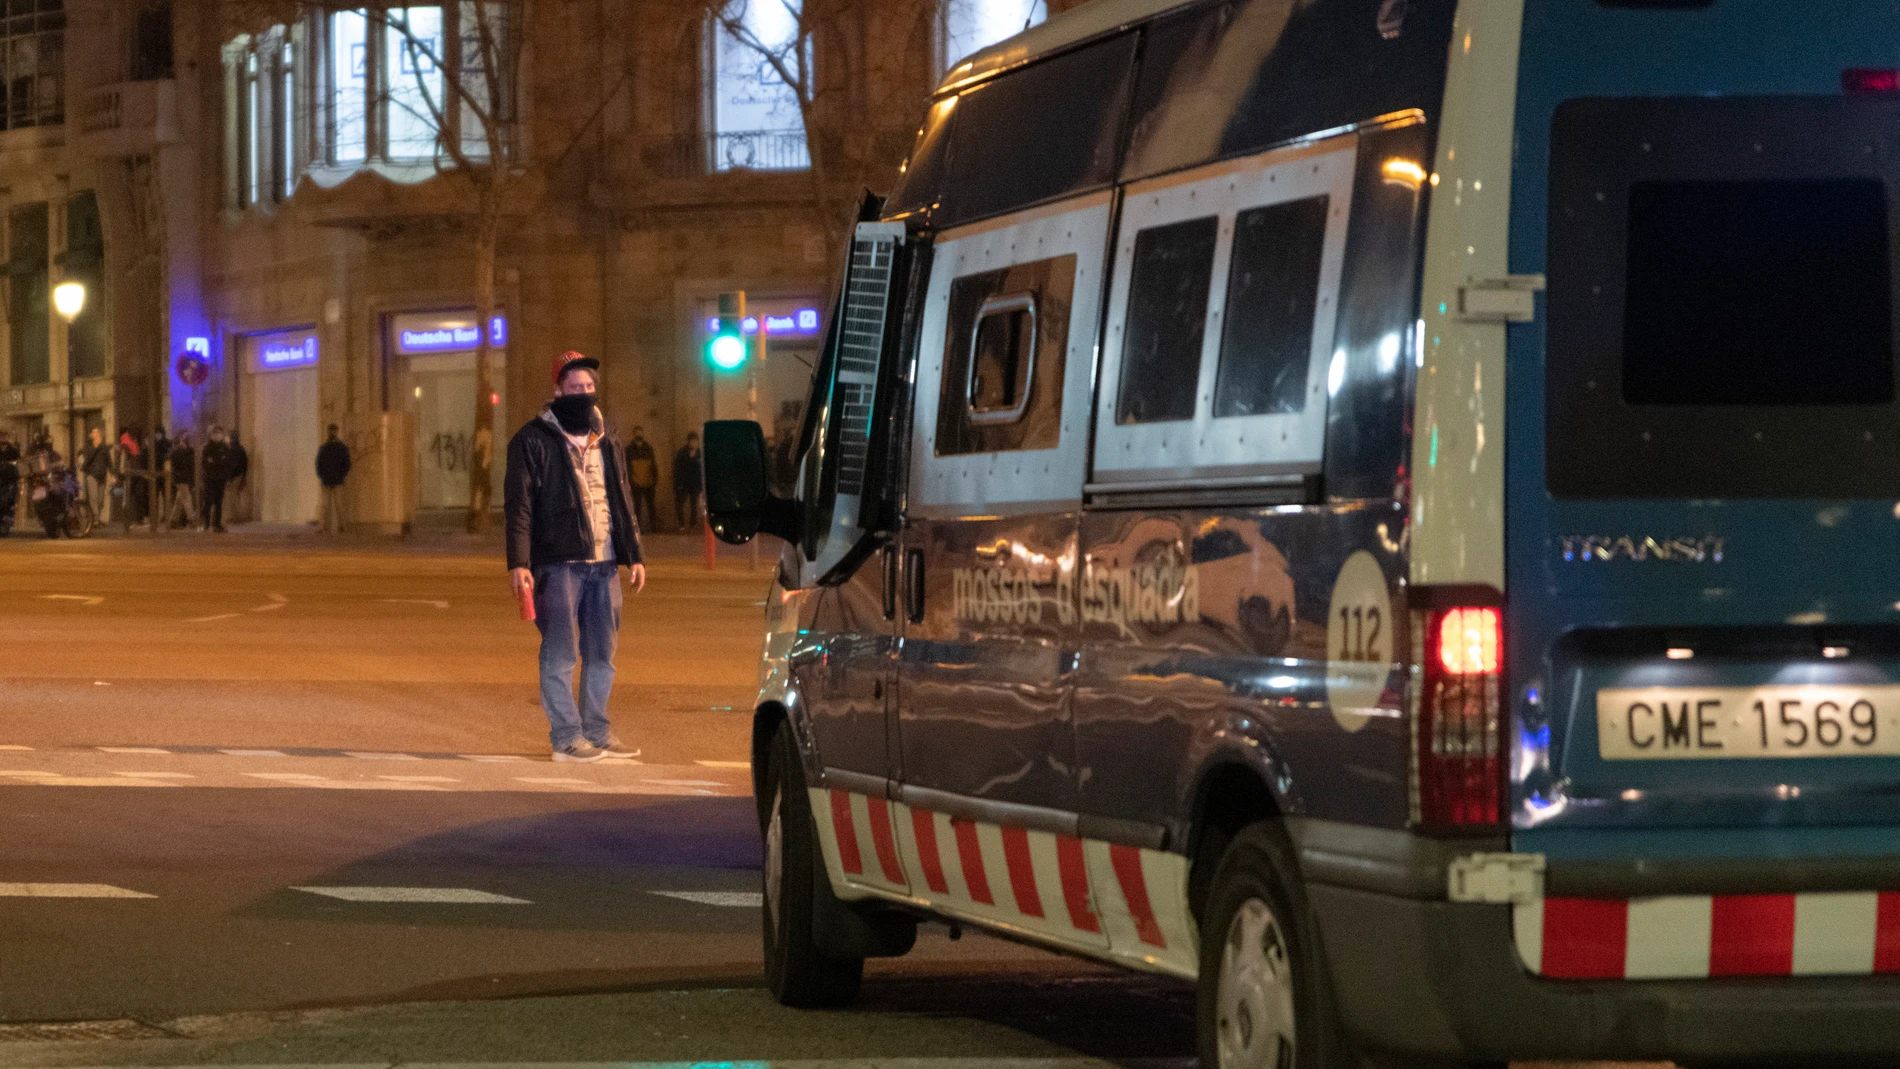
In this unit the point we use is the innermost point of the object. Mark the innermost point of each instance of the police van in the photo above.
(1389, 511)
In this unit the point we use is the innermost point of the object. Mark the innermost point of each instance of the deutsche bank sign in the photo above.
(444, 334)
(283, 350)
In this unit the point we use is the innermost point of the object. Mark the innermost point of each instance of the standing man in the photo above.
(240, 474)
(217, 471)
(95, 466)
(570, 530)
(643, 471)
(184, 466)
(9, 480)
(333, 466)
(689, 482)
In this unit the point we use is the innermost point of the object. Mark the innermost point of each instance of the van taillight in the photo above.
(1458, 775)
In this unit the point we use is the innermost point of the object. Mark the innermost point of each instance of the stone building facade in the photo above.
(264, 183)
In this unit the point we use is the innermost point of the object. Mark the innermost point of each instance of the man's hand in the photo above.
(521, 580)
(637, 577)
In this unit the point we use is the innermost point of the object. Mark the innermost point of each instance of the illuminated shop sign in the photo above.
(420, 334)
(802, 322)
(283, 350)
(277, 354)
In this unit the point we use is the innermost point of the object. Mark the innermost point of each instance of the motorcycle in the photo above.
(54, 492)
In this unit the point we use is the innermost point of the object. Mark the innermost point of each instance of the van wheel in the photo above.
(798, 973)
(1262, 1001)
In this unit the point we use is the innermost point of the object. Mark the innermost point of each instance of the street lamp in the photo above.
(69, 299)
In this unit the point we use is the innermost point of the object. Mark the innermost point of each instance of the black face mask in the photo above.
(574, 412)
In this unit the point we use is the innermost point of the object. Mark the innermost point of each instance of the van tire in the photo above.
(798, 973)
(1263, 985)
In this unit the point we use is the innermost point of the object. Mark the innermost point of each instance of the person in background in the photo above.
(240, 473)
(216, 463)
(333, 466)
(570, 530)
(689, 483)
(184, 469)
(643, 471)
(481, 456)
(95, 467)
(130, 468)
(9, 476)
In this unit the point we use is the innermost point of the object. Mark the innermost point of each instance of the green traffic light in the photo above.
(727, 351)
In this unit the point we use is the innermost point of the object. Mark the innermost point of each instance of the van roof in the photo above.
(1091, 19)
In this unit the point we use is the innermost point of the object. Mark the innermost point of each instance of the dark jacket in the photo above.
(541, 500)
(216, 462)
(184, 465)
(689, 475)
(96, 461)
(333, 462)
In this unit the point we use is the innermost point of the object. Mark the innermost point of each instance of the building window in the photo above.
(264, 94)
(756, 120)
(152, 41)
(391, 97)
(84, 262)
(972, 25)
(32, 63)
(29, 295)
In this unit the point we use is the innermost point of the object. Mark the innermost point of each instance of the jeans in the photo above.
(644, 508)
(577, 609)
(97, 497)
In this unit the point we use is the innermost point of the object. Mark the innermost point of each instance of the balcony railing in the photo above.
(128, 118)
(750, 150)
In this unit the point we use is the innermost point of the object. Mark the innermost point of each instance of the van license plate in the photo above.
(1707, 722)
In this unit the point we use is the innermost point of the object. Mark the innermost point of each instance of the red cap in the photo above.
(572, 359)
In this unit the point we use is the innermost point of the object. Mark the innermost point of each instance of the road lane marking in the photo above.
(84, 599)
(67, 890)
(437, 602)
(157, 775)
(724, 764)
(366, 755)
(11, 746)
(684, 782)
(34, 774)
(277, 601)
(437, 895)
(421, 779)
(219, 616)
(132, 749)
(253, 753)
(281, 775)
(729, 899)
(491, 757)
(553, 779)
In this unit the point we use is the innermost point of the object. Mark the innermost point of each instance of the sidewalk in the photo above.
(423, 538)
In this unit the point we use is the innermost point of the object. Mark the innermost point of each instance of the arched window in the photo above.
(759, 62)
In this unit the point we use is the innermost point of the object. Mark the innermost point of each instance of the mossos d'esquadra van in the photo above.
(1388, 511)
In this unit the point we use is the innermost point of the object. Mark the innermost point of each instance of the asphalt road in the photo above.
(265, 800)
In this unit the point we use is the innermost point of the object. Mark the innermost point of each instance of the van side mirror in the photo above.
(739, 501)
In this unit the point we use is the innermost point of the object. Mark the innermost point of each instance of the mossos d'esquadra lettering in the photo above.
(1591, 549)
(996, 596)
(1163, 592)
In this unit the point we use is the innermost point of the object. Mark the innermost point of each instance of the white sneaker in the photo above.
(580, 751)
(618, 749)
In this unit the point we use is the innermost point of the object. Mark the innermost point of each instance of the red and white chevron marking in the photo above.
(1117, 902)
(1694, 936)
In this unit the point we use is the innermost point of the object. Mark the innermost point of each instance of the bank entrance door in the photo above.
(437, 382)
(280, 426)
(442, 389)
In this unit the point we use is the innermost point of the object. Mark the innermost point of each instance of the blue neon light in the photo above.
(803, 321)
(450, 337)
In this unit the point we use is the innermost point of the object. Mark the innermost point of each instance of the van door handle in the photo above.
(914, 585)
(890, 582)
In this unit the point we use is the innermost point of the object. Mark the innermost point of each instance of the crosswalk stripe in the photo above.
(280, 775)
(491, 757)
(11, 746)
(421, 779)
(132, 749)
(433, 895)
(156, 775)
(734, 899)
(253, 753)
(724, 764)
(366, 756)
(551, 779)
(67, 890)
